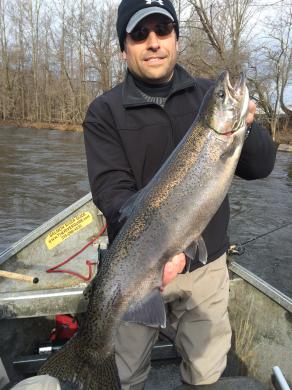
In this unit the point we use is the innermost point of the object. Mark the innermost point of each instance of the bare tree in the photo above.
(57, 55)
(102, 47)
(284, 37)
(17, 18)
(226, 35)
(225, 25)
(272, 66)
(6, 85)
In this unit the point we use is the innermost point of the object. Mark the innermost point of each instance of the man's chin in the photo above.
(157, 77)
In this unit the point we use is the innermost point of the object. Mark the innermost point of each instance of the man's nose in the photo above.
(153, 41)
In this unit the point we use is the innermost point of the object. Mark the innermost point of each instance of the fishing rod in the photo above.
(238, 249)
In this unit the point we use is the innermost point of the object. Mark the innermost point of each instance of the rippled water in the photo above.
(263, 209)
(41, 173)
(44, 171)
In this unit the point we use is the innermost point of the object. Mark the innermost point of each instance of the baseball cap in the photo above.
(131, 12)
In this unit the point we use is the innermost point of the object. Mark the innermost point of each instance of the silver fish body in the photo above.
(165, 218)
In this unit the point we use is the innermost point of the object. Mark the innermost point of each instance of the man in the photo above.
(129, 132)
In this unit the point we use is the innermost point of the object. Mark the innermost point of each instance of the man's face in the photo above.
(154, 58)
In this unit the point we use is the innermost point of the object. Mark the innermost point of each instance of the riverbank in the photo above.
(283, 137)
(285, 148)
(41, 125)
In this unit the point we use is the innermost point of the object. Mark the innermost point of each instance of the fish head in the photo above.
(227, 106)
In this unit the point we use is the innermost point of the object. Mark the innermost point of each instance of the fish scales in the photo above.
(168, 216)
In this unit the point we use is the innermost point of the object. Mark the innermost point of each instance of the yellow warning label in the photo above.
(66, 230)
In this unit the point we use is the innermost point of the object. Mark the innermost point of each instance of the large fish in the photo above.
(165, 218)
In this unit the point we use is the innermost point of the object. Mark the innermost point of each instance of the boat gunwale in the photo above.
(41, 294)
(257, 282)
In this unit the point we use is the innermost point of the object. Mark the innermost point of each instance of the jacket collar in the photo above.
(131, 97)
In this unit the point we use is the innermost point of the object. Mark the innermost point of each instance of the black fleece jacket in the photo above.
(127, 139)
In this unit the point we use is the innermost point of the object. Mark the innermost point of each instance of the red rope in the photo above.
(88, 262)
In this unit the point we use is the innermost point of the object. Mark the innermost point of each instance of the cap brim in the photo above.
(138, 16)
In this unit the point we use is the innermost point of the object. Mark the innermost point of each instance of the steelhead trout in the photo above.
(165, 218)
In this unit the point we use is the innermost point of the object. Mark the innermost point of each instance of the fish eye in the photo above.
(221, 94)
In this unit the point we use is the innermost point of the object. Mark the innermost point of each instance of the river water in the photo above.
(44, 171)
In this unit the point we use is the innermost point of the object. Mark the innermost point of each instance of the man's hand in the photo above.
(251, 112)
(172, 268)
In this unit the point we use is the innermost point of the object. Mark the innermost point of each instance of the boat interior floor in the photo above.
(165, 376)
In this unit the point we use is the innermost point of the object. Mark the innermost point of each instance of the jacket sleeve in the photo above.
(258, 154)
(110, 177)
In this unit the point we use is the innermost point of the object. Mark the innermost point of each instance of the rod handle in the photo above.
(16, 276)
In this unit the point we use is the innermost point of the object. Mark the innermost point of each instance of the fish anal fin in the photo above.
(150, 311)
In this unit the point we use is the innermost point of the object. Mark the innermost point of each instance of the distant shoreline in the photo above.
(285, 147)
(42, 125)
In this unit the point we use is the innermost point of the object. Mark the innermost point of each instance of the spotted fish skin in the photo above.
(166, 217)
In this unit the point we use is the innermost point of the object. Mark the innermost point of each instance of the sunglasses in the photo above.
(161, 30)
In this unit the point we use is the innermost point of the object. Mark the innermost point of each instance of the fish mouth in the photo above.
(236, 98)
(237, 90)
(241, 93)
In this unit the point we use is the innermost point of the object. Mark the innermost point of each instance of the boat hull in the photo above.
(261, 316)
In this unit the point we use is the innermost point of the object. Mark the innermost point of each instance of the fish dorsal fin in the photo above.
(191, 252)
(150, 311)
(130, 204)
(203, 254)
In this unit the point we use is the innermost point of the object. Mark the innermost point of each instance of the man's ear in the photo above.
(124, 53)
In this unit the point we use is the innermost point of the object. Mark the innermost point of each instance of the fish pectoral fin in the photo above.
(203, 254)
(191, 252)
(150, 311)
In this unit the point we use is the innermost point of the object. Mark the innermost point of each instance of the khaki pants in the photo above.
(198, 312)
(41, 382)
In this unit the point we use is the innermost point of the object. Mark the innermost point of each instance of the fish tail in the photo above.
(82, 369)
